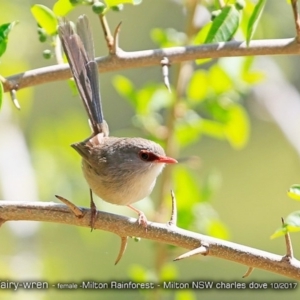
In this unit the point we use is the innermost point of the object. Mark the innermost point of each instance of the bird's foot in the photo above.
(142, 220)
(93, 212)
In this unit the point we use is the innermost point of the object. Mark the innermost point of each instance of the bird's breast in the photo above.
(121, 190)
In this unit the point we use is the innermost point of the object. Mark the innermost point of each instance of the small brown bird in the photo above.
(120, 170)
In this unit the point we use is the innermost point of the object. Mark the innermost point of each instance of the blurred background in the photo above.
(237, 141)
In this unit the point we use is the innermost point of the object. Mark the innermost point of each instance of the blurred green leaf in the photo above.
(168, 272)
(213, 129)
(73, 86)
(189, 129)
(249, 76)
(254, 19)
(198, 86)
(160, 97)
(111, 3)
(188, 193)
(169, 37)
(291, 224)
(202, 34)
(45, 17)
(138, 273)
(237, 127)
(1, 93)
(293, 219)
(217, 228)
(247, 12)
(207, 220)
(185, 295)
(4, 31)
(200, 39)
(224, 25)
(62, 7)
(210, 184)
(294, 192)
(219, 80)
(125, 88)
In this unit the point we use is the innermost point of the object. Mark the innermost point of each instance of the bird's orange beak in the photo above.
(166, 160)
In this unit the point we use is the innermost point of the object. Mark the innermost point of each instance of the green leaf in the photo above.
(213, 129)
(138, 273)
(224, 25)
(217, 228)
(1, 93)
(125, 88)
(168, 272)
(254, 19)
(200, 39)
(211, 183)
(294, 192)
(188, 193)
(237, 127)
(185, 295)
(219, 80)
(291, 224)
(45, 17)
(189, 129)
(293, 220)
(198, 86)
(62, 7)
(111, 3)
(4, 31)
(168, 37)
(248, 75)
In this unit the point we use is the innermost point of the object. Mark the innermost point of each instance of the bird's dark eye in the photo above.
(146, 155)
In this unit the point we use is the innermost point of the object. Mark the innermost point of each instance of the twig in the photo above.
(107, 33)
(296, 18)
(165, 64)
(138, 59)
(288, 244)
(122, 226)
(173, 219)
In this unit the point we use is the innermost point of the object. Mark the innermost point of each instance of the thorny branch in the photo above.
(138, 59)
(123, 226)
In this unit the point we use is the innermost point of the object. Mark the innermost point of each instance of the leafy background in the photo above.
(244, 186)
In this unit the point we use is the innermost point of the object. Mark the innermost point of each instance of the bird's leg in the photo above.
(93, 211)
(142, 218)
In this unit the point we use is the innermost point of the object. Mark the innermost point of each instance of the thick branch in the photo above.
(138, 59)
(123, 226)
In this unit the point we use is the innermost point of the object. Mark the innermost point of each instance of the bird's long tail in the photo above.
(79, 49)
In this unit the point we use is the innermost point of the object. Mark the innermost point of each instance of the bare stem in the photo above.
(163, 233)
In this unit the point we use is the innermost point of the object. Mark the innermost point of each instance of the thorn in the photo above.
(296, 18)
(93, 211)
(116, 39)
(122, 248)
(173, 219)
(13, 95)
(203, 250)
(288, 244)
(249, 271)
(165, 64)
(74, 209)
